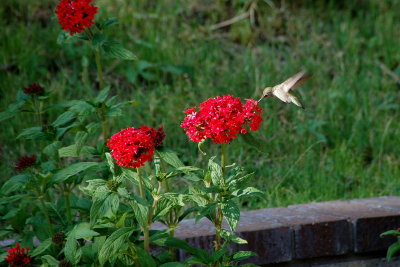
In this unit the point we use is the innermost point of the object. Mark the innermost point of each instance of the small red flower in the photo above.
(221, 119)
(25, 162)
(34, 89)
(76, 15)
(18, 257)
(133, 147)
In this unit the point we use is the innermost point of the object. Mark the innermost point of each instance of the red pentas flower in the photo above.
(34, 89)
(221, 119)
(18, 257)
(25, 162)
(133, 147)
(76, 15)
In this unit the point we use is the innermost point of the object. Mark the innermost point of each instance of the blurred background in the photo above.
(346, 144)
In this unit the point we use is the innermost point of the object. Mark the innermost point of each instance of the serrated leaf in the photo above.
(108, 22)
(173, 264)
(50, 260)
(170, 157)
(242, 255)
(116, 50)
(83, 230)
(51, 150)
(98, 40)
(11, 199)
(15, 183)
(110, 162)
(102, 96)
(116, 241)
(141, 212)
(71, 250)
(145, 259)
(71, 170)
(41, 248)
(230, 237)
(231, 212)
(80, 139)
(64, 118)
(107, 206)
(31, 133)
(71, 151)
(248, 192)
(216, 172)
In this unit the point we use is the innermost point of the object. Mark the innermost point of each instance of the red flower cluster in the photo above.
(34, 89)
(221, 119)
(132, 147)
(76, 15)
(25, 162)
(18, 257)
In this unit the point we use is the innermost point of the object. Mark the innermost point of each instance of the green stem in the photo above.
(99, 68)
(67, 204)
(140, 182)
(44, 209)
(219, 215)
(146, 235)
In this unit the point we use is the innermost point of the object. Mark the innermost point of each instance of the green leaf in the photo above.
(108, 22)
(248, 192)
(105, 206)
(242, 255)
(231, 212)
(110, 162)
(80, 139)
(15, 183)
(11, 111)
(390, 232)
(50, 260)
(32, 133)
(173, 264)
(42, 247)
(98, 40)
(116, 50)
(144, 258)
(141, 212)
(71, 251)
(216, 172)
(176, 243)
(230, 237)
(83, 230)
(116, 241)
(170, 157)
(102, 96)
(51, 150)
(71, 151)
(392, 250)
(71, 170)
(10, 199)
(64, 118)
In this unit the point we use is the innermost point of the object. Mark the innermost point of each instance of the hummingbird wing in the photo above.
(295, 81)
(295, 100)
(281, 94)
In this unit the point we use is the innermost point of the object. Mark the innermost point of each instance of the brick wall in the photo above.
(315, 234)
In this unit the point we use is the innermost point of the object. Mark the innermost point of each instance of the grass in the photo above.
(344, 145)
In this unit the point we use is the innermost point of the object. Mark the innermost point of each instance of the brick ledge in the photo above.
(299, 232)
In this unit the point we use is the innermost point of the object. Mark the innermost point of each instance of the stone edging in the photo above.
(299, 232)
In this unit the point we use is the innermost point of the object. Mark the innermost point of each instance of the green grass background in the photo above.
(346, 144)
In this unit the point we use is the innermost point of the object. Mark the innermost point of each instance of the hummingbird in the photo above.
(283, 91)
